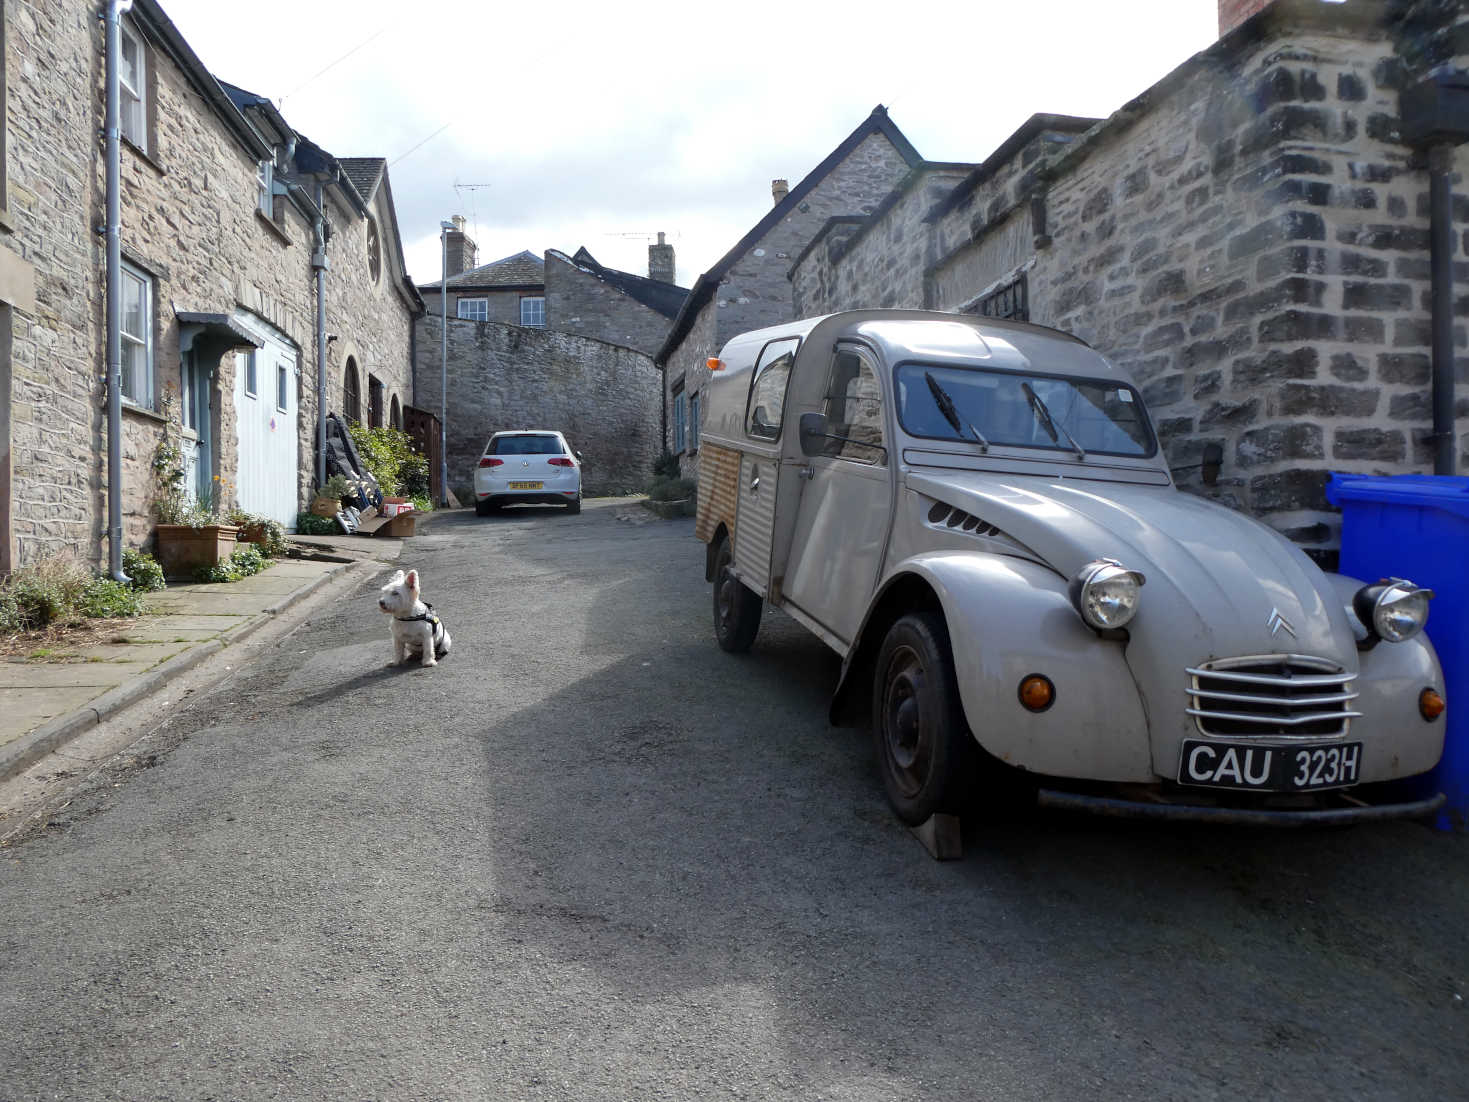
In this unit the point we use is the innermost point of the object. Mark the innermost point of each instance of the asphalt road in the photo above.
(591, 856)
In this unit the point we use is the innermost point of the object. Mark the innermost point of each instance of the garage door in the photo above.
(266, 407)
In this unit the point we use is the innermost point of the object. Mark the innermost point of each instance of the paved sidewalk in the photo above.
(45, 703)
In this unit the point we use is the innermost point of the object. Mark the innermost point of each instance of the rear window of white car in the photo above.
(525, 445)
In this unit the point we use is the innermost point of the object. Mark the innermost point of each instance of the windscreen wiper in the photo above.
(951, 412)
(1049, 423)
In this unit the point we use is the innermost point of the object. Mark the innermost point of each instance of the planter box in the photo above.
(325, 507)
(181, 548)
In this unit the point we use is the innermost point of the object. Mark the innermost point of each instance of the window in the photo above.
(395, 415)
(133, 73)
(352, 392)
(374, 250)
(1010, 301)
(282, 393)
(694, 421)
(374, 402)
(265, 182)
(252, 375)
(768, 390)
(478, 309)
(533, 312)
(137, 336)
(527, 444)
(854, 409)
(680, 419)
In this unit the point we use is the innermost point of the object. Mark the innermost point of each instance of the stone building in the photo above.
(1250, 237)
(603, 396)
(570, 294)
(218, 291)
(749, 287)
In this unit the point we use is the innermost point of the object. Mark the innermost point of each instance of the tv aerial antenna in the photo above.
(460, 189)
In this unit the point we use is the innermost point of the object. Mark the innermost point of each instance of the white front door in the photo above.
(845, 510)
(266, 410)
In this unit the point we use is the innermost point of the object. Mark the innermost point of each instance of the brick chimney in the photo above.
(1234, 12)
(779, 189)
(463, 254)
(660, 261)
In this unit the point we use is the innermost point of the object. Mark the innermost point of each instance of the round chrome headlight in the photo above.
(1106, 593)
(1395, 610)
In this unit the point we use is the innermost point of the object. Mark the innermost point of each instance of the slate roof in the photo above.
(703, 290)
(666, 298)
(524, 269)
(363, 173)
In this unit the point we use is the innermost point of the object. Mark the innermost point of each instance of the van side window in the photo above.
(768, 389)
(854, 409)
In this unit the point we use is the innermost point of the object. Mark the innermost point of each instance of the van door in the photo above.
(845, 509)
(760, 463)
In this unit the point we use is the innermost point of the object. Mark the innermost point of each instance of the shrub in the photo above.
(336, 487)
(261, 532)
(422, 503)
(243, 562)
(105, 597)
(143, 569)
(388, 455)
(309, 524)
(666, 467)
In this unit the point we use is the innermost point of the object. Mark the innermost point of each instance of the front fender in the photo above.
(1009, 618)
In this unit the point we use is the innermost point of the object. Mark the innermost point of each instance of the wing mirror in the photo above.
(813, 432)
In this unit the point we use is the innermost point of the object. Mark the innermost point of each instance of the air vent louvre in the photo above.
(947, 517)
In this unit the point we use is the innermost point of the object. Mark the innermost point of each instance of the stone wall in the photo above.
(602, 396)
(1249, 239)
(578, 302)
(52, 163)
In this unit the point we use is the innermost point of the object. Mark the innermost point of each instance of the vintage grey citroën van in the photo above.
(976, 515)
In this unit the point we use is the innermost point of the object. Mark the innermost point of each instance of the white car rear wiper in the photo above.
(1049, 423)
(951, 412)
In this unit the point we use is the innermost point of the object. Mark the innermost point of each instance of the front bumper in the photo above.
(1332, 810)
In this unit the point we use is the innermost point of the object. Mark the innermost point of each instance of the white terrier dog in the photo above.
(416, 629)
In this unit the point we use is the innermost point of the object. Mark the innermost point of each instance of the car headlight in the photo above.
(1392, 609)
(1106, 593)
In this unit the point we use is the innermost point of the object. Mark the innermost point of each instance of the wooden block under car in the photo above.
(941, 836)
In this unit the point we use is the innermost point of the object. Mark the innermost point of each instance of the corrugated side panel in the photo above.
(719, 488)
(754, 521)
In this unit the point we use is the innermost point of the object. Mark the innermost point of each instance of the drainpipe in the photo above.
(444, 228)
(113, 18)
(319, 266)
(1441, 266)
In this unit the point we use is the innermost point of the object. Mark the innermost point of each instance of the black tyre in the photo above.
(924, 749)
(736, 607)
(574, 506)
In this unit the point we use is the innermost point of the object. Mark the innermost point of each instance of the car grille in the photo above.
(1279, 695)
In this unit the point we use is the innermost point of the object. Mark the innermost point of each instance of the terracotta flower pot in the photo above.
(182, 548)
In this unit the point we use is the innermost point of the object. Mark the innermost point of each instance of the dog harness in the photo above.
(429, 617)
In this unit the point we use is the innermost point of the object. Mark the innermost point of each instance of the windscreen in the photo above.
(1012, 409)
(539, 444)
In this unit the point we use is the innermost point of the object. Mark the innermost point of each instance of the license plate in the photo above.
(1300, 768)
(525, 485)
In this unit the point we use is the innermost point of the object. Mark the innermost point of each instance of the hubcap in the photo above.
(909, 744)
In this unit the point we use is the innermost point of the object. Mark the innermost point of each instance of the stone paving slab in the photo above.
(44, 704)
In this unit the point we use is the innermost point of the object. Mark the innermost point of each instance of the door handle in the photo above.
(807, 472)
(755, 485)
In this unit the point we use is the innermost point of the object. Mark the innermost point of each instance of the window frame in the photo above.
(692, 429)
(352, 396)
(374, 247)
(1009, 301)
(144, 341)
(870, 455)
(761, 366)
(265, 181)
(680, 420)
(482, 302)
(282, 387)
(129, 94)
(533, 301)
(252, 374)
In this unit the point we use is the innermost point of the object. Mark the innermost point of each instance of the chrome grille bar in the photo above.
(1289, 696)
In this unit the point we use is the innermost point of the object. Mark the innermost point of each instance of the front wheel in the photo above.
(736, 607)
(924, 748)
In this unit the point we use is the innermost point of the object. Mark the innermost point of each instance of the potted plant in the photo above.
(190, 532)
(328, 500)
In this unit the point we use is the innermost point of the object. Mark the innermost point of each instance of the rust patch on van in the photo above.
(719, 486)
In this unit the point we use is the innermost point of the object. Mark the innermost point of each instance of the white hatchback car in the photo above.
(527, 466)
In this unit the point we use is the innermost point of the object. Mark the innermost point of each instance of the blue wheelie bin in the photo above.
(1417, 527)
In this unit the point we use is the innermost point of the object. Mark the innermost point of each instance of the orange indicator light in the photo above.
(1430, 704)
(714, 363)
(1037, 693)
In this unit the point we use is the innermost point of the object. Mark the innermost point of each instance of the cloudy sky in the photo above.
(566, 124)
